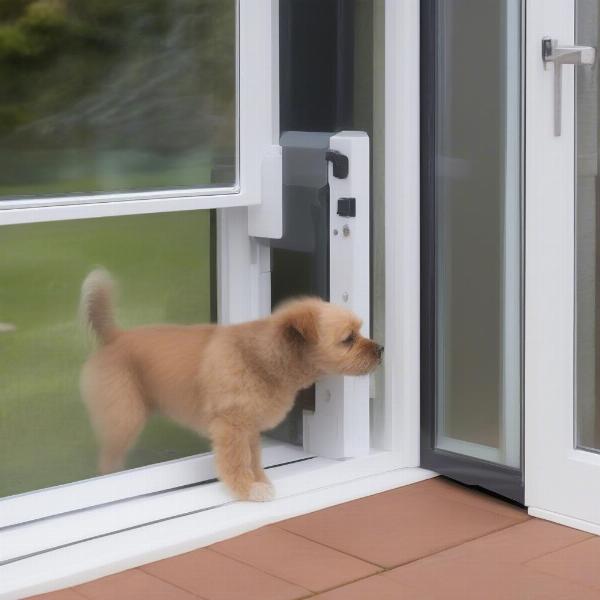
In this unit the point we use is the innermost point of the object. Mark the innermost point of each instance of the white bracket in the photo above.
(339, 426)
(265, 220)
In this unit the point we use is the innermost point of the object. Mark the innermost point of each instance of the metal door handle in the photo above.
(563, 55)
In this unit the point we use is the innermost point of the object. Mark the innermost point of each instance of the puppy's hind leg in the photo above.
(117, 412)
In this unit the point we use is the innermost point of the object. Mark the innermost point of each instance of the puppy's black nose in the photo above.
(380, 351)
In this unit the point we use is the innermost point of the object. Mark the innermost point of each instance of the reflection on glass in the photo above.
(162, 264)
(477, 203)
(113, 96)
(587, 249)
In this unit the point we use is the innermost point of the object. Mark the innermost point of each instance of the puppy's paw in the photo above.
(261, 492)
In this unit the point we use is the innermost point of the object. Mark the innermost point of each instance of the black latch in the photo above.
(340, 163)
(346, 207)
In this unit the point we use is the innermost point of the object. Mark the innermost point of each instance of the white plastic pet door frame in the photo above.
(339, 426)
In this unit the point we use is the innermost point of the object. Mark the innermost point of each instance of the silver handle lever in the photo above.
(559, 56)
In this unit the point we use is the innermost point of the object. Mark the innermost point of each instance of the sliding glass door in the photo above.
(587, 227)
(122, 128)
(471, 242)
(163, 264)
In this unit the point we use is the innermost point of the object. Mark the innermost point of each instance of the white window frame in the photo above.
(257, 132)
(315, 483)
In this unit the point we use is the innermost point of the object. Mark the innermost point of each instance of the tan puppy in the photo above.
(229, 383)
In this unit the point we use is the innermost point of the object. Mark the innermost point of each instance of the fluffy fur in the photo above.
(229, 383)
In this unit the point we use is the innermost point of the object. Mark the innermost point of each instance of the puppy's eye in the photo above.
(349, 340)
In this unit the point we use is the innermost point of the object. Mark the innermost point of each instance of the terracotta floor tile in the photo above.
(132, 585)
(390, 530)
(517, 544)
(579, 563)
(67, 594)
(216, 577)
(461, 493)
(374, 588)
(454, 544)
(295, 559)
(459, 579)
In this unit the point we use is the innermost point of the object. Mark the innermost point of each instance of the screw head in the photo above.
(346, 231)
(345, 296)
(335, 232)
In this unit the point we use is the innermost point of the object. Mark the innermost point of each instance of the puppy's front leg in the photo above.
(233, 456)
(263, 488)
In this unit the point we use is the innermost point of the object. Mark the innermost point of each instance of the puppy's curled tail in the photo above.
(96, 306)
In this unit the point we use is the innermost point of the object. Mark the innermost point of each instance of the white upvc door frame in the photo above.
(562, 483)
(315, 483)
(401, 431)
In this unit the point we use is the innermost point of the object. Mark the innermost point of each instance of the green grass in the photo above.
(162, 264)
(84, 172)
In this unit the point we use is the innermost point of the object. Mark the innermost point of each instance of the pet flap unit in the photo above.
(324, 251)
(339, 425)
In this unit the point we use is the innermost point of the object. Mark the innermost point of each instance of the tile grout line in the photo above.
(209, 549)
(587, 539)
(388, 569)
(297, 584)
(311, 592)
(485, 508)
(337, 587)
(76, 591)
(410, 561)
(450, 547)
(328, 546)
(483, 537)
(385, 570)
(140, 568)
(259, 570)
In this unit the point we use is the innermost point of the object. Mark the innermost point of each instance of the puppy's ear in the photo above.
(300, 322)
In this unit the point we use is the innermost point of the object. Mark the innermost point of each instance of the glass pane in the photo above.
(163, 264)
(114, 96)
(477, 204)
(587, 249)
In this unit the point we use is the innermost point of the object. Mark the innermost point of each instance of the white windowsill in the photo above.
(301, 487)
(104, 518)
(129, 484)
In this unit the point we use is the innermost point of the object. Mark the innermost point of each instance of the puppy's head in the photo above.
(329, 337)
